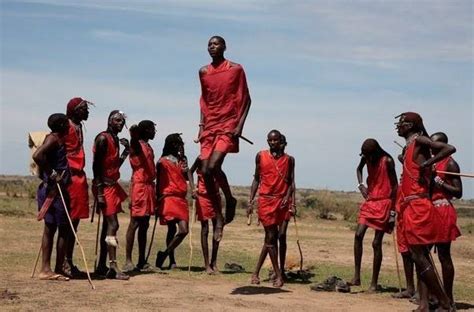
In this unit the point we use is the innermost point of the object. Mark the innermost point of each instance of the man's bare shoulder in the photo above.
(233, 64)
(203, 70)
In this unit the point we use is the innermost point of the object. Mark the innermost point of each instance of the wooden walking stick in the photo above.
(75, 235)
(152, 237)
(97, 242)
(191, 238)
(37, 259)
(298, 243)
(396, 260)
(440, 281)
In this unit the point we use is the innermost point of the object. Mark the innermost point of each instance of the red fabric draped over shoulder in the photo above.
(224, 92)
(142, 186)
(78, 189)
(375, 211)
(274, 186)
(420, 218)
(173, 187)
(449, 230)
(113, 192)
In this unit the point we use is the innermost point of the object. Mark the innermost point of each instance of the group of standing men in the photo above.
(420, 205)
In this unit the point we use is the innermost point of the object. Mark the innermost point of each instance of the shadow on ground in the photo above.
(464, 306)
(257, 290)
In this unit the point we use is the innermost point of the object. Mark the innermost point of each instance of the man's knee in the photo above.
(183, 232)
(377, 244)
(359, 236)
(282, 239)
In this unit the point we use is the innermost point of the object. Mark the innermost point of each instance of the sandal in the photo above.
(54, 277)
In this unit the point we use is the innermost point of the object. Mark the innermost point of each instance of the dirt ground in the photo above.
(327, 248)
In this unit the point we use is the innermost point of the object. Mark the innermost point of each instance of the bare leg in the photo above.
(263, 254)
(101, 265)
(427, 275)
(271, 241)
(204, 245)
(63, 232)
(358, 249)
(169, 237)
(215, 249)
(282, 248)
(174, 242)
(408, 269)
(112, 228)
(130, 238)
(47, 249)
(70, 242)
(447, 266)
(377, 246)
(143, 224)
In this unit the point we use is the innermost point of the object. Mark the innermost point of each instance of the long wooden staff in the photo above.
(37, 259)
(191, 237)
(298, 243)
(75, 235)
(396, 260)
(440, 281)
(467, 175)
(152, 237)
(97, 241)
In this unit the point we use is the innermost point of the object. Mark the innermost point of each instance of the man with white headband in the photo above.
(108, 192)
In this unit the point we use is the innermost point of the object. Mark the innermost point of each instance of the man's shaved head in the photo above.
(439, 137)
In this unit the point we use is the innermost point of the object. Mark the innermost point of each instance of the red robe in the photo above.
(113, 192)
(172, 187)
(401, 240)
(78, 189)
(420, 218)
(204, 206)
(274, 185)
(224, 95)
(448, 231)
(142, 186)
(375, 211)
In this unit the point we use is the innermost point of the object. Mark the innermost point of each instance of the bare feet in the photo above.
(354, 282)
(255, 280)
(406, 294)
(128, 267)
(160, 259)
(278, 283)
(374, 289)
(209, 270)
(112, 274)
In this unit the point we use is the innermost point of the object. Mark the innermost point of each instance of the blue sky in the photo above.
(328, 74)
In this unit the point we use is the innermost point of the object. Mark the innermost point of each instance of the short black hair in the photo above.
(57, 121)
(442, 136)
(222, 40)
